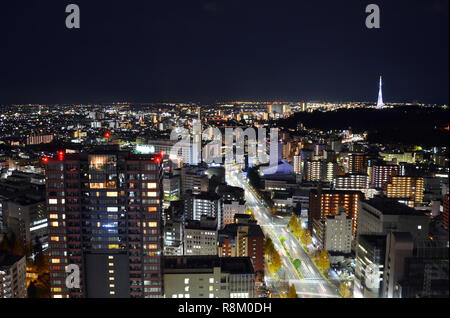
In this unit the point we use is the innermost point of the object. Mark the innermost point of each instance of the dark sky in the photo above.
(206, 50)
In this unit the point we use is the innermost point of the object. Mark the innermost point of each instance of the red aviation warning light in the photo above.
(107, 134)
(45, 159)
(61, 155)
(158, 158)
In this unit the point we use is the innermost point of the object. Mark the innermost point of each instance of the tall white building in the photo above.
(338, 233)
(298, 164)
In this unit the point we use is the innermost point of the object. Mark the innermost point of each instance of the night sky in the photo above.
(206, 51)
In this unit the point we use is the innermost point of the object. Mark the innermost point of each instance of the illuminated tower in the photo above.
(380, 103)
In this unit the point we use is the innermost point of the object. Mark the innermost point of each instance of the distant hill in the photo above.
(405, 125)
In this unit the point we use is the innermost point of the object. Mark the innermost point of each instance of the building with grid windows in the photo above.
(104, 211)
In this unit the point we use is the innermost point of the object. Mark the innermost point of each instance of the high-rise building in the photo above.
(313, 170)
(384, 215)
(13, 276)
(382, 173)
(403, 187)
(27, 218)
(358, 163)
(369, 265)
(298, 165)
(418, 272)
(104, 217)
(338, 233)
(358, 182)
(204, 204)
(323, 203)
(320, 171)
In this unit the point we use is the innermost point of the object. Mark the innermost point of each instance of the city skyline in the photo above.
(213, 156)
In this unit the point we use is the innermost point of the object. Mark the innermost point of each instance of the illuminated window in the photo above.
(152, 209)
(55, 223)
(95, 185)
(111, 194)
(54, 238)
(151, 185)
(152, 194)
(52, 201)
(56, 260)
(53, 216)
(113, 246)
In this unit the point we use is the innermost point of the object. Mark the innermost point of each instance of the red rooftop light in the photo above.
(45, 159)
(107, 134)
(61, 155)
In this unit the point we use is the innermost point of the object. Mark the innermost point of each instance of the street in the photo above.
(311, 283)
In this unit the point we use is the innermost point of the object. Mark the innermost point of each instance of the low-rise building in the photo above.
(200, 237)
(208, 277)
(384, 215)
(243, 238)
(230, 209)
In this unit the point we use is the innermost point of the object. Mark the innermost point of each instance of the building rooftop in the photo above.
(389, 206)
(206, 264)
(254, 230)
(7, 259)
(205, 223)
